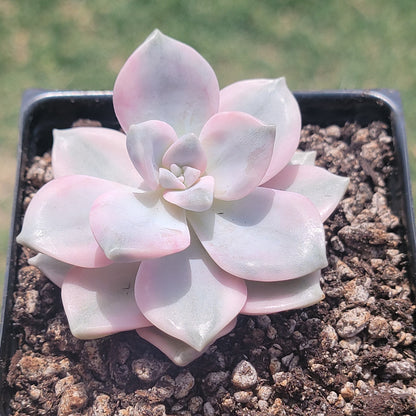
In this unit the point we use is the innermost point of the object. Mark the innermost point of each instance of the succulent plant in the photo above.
(203, 210)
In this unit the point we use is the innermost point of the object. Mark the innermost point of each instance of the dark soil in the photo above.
(352, 354)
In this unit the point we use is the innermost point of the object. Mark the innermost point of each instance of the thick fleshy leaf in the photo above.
(179, 352)
(190, 175)
(272, 297)
(56, 222)
(270, 101)
(166, 80)
(100, 302)
(187, 296)
(239, 149)
(146, 144)
(186, 151)
(176, 170)
(53, 269)
(135, 226)
(267, 236)
(197, 198)
(93, 151)
(168, 180)
(323, 188)
(303, 158)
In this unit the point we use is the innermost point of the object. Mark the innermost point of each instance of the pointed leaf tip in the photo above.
(272, 102)
(53, 269)
(166, 80)
(178, 351)
(187, 296)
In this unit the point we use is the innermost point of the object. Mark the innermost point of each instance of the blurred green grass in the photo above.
(77, 44)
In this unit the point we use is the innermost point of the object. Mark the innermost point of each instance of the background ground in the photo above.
(75, 44)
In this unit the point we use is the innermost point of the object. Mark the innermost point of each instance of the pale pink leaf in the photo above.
(270, 101)
(100, 302)
(239, 149)
(135, 226)
(271, 297)
(267, 236)
(190, 176)
(166, 80)
(93, 151)
(168, 180)
(178, 352)
(53, 269)
(303, 158)
(187, 296)
(186, 151)
(146, 144)
(56, 222)
(197, 198)
(323, 188)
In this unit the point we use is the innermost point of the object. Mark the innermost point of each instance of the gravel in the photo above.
(244, 375)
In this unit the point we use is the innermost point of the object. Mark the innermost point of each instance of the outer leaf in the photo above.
(100, 302)
(267, 236)
(56, 222)
(135, 226)
(303, 158)
(179, 352)
(166, 80)
(93, 151)
(239, 149)
(146, 144)
(53, 269)
(270, 101)
(187, 296)
(197, 198)
(272, 297)
(323, 188)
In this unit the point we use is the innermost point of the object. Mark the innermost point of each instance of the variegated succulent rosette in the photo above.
(202, 211)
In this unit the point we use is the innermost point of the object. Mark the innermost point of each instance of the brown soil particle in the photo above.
(244, 375)
(352, 354)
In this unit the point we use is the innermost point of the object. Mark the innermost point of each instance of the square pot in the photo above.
(43, 111)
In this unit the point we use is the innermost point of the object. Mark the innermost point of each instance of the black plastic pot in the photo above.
(42, 111)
